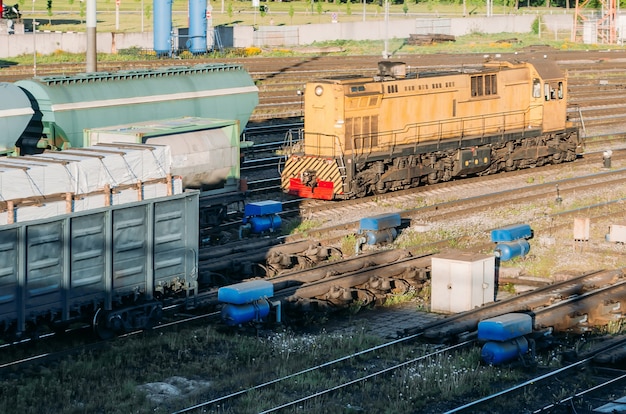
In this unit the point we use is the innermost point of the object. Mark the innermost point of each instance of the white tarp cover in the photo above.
(196, 150)
(25, 178)
(84, 173)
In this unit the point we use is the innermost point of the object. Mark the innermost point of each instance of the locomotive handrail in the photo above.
(436, 131)
(439, 131)
(318, 137)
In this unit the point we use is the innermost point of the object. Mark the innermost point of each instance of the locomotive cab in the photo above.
(548, 93)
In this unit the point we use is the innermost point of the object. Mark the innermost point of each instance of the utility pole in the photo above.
(91, 37)
(386, 51)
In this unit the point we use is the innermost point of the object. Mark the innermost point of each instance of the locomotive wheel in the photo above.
(380, 190)
(361, 192)
(447, 174)
(99, 325)
(433, 178)
(510, 165)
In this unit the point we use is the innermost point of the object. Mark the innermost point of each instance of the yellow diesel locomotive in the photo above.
(400, 129)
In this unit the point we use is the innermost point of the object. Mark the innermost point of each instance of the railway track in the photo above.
(596, 78)
(590, 389)
(381, 362)
(320, 290)
(552, 300)
(426, 207)
(285, 286)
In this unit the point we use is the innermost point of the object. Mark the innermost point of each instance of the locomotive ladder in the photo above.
(582, 121)
(342, 168)
(341, 164)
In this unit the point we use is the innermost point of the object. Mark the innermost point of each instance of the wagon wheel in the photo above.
(99, 325)
(32, 331)
(156, 314)
(59, 327)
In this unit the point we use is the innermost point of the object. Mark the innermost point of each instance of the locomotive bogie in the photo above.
(398, 129)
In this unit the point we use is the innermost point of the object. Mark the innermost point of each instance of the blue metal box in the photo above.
(245, 292)
(505, 327)
(383, 236)
(380, 222)
(265, 223)
(507, 251)
(262, 208)
(495, 353)
(511, 233)
(236, 314)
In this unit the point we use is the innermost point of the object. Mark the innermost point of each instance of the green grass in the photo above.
(70, 14)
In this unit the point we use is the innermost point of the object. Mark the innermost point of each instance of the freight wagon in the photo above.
(198, 111)
(108, 266)
(205, 154)
(99, 234)
(64, 106)
(104, 233)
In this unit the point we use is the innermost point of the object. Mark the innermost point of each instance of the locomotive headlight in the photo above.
(319, 90)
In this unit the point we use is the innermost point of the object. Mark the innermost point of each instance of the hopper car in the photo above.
(197, 110)
(64, 106)
(400, 129)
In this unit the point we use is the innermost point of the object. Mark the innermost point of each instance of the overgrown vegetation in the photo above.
(218, 363)
(303, 227)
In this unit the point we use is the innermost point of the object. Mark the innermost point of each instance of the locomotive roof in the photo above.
(548, 69)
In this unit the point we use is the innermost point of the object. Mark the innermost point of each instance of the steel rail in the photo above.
(517, 387)
(295, 374)
(372, 375)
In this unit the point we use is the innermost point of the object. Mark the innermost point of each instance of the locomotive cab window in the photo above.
(536, 88)
(491, 86)
(560, 90)
(547, 91)
(484, 85)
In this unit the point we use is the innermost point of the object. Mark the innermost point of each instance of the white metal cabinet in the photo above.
(461, 281)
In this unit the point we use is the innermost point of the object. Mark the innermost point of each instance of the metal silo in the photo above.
(162, 26)
(15, 113)
(197, 26)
